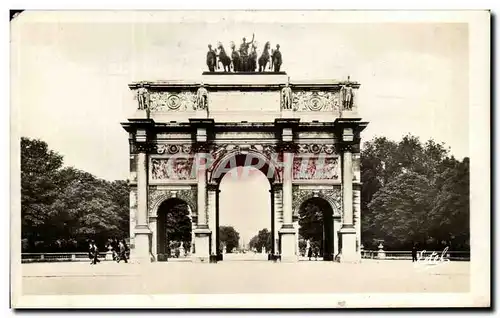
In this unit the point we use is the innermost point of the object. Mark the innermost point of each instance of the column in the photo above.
(273, 226)
(212, 215)
(142, 231)
(287, 231)
(278, 217)
(348, 232)
(202, 232)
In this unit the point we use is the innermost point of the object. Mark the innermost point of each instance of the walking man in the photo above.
(122, 252)
(93, 253)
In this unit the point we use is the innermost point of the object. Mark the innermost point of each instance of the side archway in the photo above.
(332, 196)
(173, 229)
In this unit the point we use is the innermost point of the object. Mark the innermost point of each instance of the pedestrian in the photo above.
(94, 253)
(122, 252)
(114, 245)
(414, 253)
(91, 252)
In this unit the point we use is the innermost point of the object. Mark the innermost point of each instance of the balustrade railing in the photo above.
(402, 255)
(58, 257)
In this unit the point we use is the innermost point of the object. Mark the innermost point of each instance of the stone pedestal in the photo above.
(202, 241)
(287, 239)
(349, 254)
(142, 245)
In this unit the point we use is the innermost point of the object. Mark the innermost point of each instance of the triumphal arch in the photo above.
(303, 135)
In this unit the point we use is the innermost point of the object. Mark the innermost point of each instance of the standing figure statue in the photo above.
(252, 59)
(211, 59)
(143, 97)
(244, 53)
(264, 57)
(202, 98)
(276, 59)
(346, 94)
(235, 56)
(286, 94)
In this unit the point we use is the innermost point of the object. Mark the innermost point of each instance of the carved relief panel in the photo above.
(157, 196)
(316, 101)
(172, 101)
(172, 169)
(301, 195)
(316, 161)
(306, 168)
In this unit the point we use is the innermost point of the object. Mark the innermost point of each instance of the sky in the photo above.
(69, 76)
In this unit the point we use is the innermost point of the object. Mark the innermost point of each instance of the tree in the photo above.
(402, 210)
(311, 222)
(62, 207)
(229, 237)
(262, 239)
(39, 167)
(451, 210)
(178, 224)
(418, 177)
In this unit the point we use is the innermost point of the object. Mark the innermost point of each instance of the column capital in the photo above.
(276, 187)
(143, 147)
(201, 147)
(346, 147)
(213, 187)
(287, 147)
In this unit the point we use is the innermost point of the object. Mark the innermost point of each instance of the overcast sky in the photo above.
(70, 76)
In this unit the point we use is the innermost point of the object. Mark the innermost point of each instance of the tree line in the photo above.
(62, 208)
(413, 193)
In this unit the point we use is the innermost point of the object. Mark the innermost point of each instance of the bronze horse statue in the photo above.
(264, 57)
(224, 58)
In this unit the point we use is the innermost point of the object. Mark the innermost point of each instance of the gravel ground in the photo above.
(242, 274)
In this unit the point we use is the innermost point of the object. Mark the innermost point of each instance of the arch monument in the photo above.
(303, 135)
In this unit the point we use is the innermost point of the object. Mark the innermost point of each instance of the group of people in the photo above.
(119, 248)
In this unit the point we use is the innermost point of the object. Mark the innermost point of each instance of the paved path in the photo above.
(242, 277)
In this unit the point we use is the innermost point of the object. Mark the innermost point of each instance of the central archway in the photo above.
(239, 166)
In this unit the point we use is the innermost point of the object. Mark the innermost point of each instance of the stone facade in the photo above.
(245, 124)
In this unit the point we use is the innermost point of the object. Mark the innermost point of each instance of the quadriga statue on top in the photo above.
(245, 58)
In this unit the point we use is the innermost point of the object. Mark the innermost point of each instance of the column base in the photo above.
(142, 247)
(287, 238)
(348, 253)
(202, 241)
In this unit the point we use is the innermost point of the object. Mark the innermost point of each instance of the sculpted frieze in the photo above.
(172, 169)
(305, 168)
(173, 149)
(316, 148)
(173, 101)
(315, 101)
